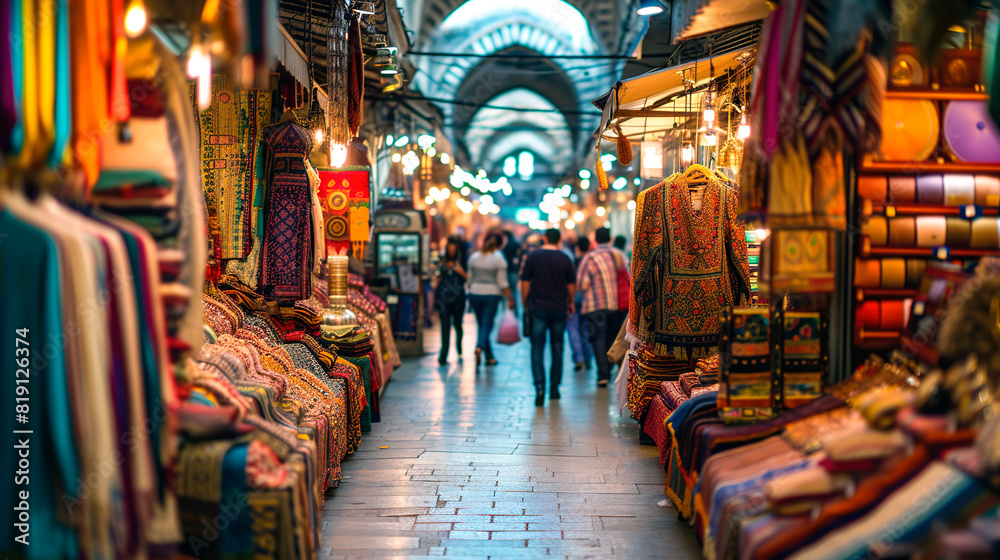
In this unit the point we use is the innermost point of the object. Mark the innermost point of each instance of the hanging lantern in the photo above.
(338, 155)
(199, 67)
(135, 19)
(687, 153)
(744, 129)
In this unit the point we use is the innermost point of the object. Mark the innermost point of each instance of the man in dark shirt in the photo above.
(548, 290)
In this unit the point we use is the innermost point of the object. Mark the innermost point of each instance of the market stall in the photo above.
(866, 182)
(162, 186)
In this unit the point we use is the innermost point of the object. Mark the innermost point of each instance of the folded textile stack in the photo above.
(270, 412)
(150, 177)
(646, 373)
(357, 347)
(708, 370)
(689, 381)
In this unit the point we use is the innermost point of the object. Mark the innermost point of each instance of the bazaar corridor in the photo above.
(471, 468)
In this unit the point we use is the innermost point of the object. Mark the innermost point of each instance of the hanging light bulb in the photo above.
(199, 67)
(711, 138)
(135, 19)
(709, 116)
(687, 153)
(743, 132)
(338, 154)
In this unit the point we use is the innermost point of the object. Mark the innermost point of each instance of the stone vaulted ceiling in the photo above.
(546, 58)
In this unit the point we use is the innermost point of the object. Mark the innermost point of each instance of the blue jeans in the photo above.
(485, 308)
(580, 346)
(552, 323)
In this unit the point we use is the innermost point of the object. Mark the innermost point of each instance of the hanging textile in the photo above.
(287, 247)
(344, 194)
(230, 130)
(688, 265)
(355, 78)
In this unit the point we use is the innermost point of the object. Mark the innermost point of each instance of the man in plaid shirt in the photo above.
(597, 277)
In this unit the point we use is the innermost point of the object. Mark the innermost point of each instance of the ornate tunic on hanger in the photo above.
(687, 265)
(288, 244)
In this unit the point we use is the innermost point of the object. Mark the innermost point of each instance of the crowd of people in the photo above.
(568, 287)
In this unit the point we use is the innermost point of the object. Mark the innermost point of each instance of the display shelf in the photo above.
(871, 338)
(940, 253)
(885, 293)
(936, 94)
(874, 207)
(918, 167)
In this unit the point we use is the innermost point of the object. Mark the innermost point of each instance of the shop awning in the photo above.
(648, 106)
(292, 58)
(694, 18)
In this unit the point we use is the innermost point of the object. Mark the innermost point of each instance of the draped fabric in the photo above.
(287, 246)
(230, 132)
(688, 264)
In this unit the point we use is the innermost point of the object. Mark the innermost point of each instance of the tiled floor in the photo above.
(463, 465)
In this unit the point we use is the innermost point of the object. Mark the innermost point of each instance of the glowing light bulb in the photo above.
(396, 158)
(135, 19)
(631, 205)
(338, 154)
(199, 67)
(687, 153)
(431, 152)
(429, 200)
(570, 224)
(711, 138)
(585, 184)
(709, 116)
(319, 135)
(445, 159)
(743, 132)
(578, 216)
(601, 211)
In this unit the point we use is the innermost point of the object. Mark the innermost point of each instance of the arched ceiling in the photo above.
(526, 54)
(493, 134)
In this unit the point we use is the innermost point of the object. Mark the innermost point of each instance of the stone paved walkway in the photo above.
(463, 465)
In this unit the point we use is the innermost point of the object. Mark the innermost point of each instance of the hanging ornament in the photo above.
(624, 147)
(602, 177)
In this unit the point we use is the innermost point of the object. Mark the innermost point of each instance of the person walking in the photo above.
(583, 354)
(512, 252)
(488, 286)
(547, 292)
(449, 297)
(598, 278)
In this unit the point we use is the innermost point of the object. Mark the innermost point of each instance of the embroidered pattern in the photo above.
(287, 250)
(686, 267)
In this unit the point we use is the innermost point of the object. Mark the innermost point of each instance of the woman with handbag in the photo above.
(488, 286)
(449, 297)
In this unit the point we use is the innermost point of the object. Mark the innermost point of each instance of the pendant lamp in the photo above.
(649, 8)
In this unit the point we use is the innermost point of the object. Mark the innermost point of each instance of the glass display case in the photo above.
(401, 261)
